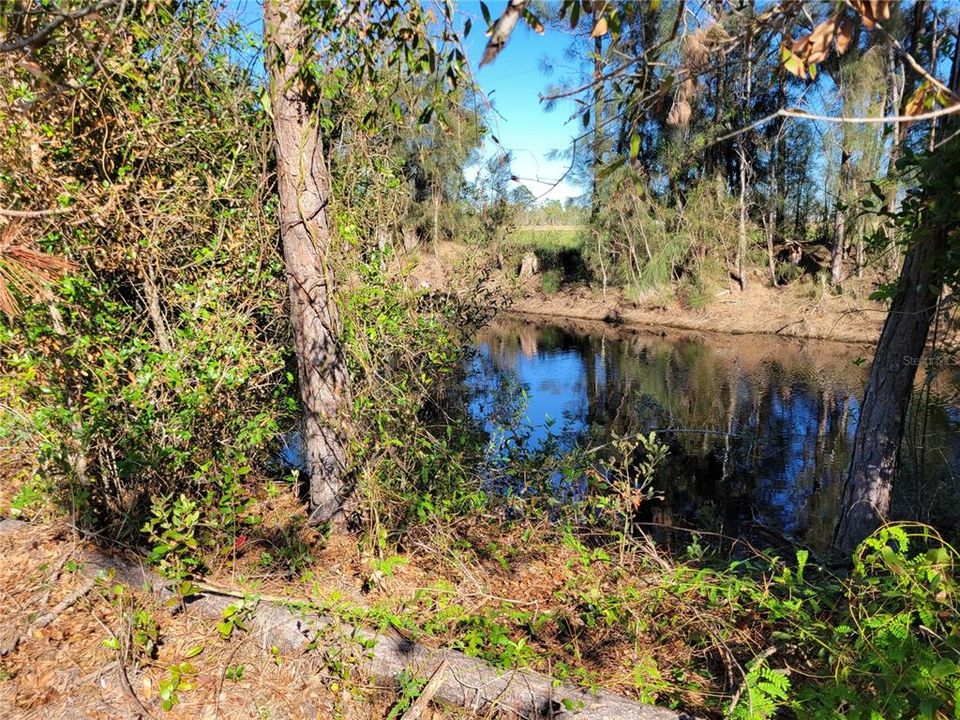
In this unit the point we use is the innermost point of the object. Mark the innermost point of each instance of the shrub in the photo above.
(552, 280)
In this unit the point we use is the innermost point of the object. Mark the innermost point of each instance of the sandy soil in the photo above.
(759, 310)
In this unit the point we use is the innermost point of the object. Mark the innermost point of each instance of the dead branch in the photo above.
(60, 17)
(26, 214)
(415, 711)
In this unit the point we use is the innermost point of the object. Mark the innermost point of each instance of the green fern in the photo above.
(765, 690)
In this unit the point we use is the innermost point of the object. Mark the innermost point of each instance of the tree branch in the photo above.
(911, 61)
(33, 213)
(802, 115)
(60, 18)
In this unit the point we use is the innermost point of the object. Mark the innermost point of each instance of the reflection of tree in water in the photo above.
(758, 431)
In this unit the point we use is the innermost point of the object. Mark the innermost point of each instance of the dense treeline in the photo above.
(683, 132)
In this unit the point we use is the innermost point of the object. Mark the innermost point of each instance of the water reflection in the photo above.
(760, 429)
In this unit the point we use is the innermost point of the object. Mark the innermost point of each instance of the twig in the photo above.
(60, 19)
(802, 115)
(65, 604)
(784, 327)
(54, 576)
(415, 711)
(743, 686)
(128, 686)
(208, 589)
(886, 119)
(41, 622)
(33, 213)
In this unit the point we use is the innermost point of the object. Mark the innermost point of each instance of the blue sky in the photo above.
(513, 84)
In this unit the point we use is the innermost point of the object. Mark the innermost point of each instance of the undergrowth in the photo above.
(578, 591)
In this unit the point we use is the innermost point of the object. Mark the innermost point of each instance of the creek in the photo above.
(759, 428)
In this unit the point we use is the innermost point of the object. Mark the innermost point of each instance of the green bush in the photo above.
(882, 642)
(552, 280)
(160, 370)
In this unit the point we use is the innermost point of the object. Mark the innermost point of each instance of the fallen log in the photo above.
(466, 682)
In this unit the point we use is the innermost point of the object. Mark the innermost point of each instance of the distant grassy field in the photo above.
(548, 237)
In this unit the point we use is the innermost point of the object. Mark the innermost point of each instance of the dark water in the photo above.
(759, 428)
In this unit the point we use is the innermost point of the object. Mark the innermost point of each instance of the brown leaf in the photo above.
(866, 12)
(881, 9)
(917, 103)
(680, 114)
(26, 270)
(799, 47)
(813, 48)
(872, 11)
(792, 63)
(844, 35)
(600, 29)
(820, 41)
(686, 89)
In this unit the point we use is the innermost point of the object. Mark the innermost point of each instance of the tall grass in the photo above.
(548, 238)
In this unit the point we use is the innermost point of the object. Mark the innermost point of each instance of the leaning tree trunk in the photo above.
(876, 447)
(303, 182)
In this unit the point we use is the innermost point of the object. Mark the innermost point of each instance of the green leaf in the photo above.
(265, 102)
(604, 172)
(943, 668)
(634, 146)
(485, 11)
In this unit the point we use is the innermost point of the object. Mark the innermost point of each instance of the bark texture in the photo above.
(304, 188)
(876, 447)
(465, 682)
(840, 218)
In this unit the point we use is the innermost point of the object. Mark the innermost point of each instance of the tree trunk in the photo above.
(934, 46)
(840, 219)
(742, 242)
(437, 200)
(771, 256)
(597, 149)
(303, 182)
(742, 153)
(876, 447)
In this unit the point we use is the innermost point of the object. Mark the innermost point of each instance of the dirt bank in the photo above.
(759, 310)
(801, 309)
